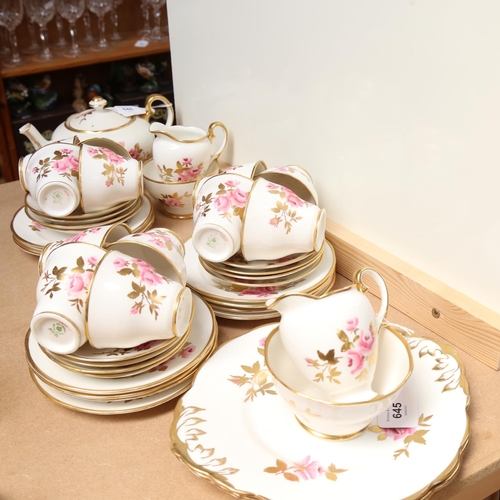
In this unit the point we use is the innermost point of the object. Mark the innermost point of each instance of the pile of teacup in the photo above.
(115, 306)
(71, 186)
(334, 362)
(258, 231)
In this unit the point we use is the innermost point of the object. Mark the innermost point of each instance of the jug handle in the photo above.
(211, 135)
(150, 110)
(384, 295)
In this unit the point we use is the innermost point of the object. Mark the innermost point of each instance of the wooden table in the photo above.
(49, 452)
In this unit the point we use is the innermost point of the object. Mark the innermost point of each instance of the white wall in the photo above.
(392, 105)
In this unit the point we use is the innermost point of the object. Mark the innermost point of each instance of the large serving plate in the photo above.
(232, 429)
(201, 341)
(32, 236)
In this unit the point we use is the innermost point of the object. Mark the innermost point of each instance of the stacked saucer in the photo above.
(237, 289)
(112, 381)
(32, 229)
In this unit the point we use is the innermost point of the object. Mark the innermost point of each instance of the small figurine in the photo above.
(79, 103)
(147, 71)
(42, 96)
(17, 95)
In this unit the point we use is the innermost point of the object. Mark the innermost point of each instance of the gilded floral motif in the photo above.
(304, 470)
(64, 162)
(112, 171)
(143, 291)
(184, 171)
(229, 200)
(256, 376)
(186, 352)
(357, 344)
(36, 226)
(136, 152)
(407, 434)
(75, 281)
(176, 200)
(255, 292)
(285, 207)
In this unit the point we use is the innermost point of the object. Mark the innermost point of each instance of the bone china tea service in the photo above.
(128, 127)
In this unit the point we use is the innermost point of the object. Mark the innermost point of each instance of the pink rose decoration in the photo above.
(222, 203)
(93, 260)
(134, 153)
(72, 162)
(355, 361)
(66, 151)
(150, 277)
(61, 166)
(78, 283)
(112, 156)
(134, 310)
(173, 202)
(186, 161)
(307, 469)
(292, 198)
(119, 263)
(271, 185)
(366, 342)
(262, 342)
(92, 151)
(232, 183)
(238, 197)
(145, 345)
(187, 351)
(352, 324)
(77, 237)
(262, 291)
(282, 169)
(399, 433)
(274, 221)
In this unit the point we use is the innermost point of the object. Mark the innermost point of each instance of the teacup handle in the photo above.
(150, 110)
(384, 294)
(211, 135)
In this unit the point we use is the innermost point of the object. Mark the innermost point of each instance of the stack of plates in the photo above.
(237, 289)
(32, 229)
(113, 381)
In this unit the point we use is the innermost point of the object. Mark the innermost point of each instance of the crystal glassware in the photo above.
(71, 10)
(4, 43)
(146, 30)
(41, 12)
(100, 8)
(115, 35)
(87, 38)
(11, 14)
(61, 42)
(156, 6)
(33, 46)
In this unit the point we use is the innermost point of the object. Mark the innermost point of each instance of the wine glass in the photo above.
(156, 5)
(146, 30)
(11, 14)
(114, 20)
(61, 39)
(71, 10)
(87, 38)
(33, 46)
(4, 42)
(41, 12)
(100, 8)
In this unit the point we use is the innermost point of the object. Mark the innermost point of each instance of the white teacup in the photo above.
(339, 421)
(51, 174)
(295, 178)
(249, 170)
(175, 198)
(58, 323)
(160, 247)
(130, 303)
(100, 236)
(277, 223)
(218, 211)
(108, 175)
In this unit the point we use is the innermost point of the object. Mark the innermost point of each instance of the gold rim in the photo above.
(64, 318)
(96, 132)
(330, 437)
(20, 171)
(379, 397)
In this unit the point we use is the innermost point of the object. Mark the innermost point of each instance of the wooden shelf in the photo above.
(125, 49)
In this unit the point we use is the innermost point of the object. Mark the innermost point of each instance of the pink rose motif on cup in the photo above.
(74, 281)
(111, 161)
(284, 211)
(83, 235)
(408, 435)
(143, 291)
(136, 152)
(184, 171)
(64, 162)
(304, 470)
(357, 345)
(229, 200)
(158, 239)
(176, 200)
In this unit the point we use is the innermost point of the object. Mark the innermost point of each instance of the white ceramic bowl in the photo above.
(347, 420)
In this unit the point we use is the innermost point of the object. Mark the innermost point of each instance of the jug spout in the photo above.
(35, 137)
(158, 128)
(287, 303)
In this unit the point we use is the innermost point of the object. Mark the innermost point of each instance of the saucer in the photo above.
(203, 336)
(234, 430)
(31, 236)
(207, 285)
